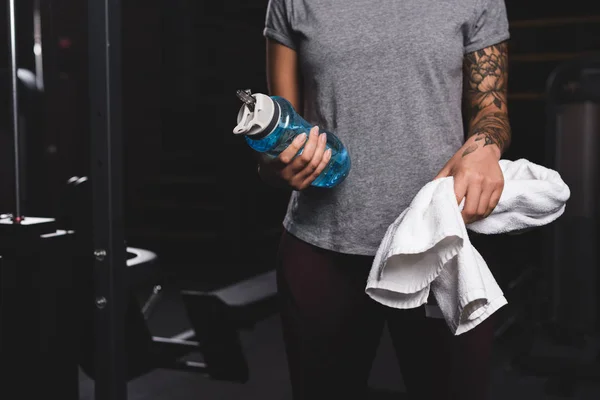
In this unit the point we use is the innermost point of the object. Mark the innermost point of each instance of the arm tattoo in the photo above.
(485, 84)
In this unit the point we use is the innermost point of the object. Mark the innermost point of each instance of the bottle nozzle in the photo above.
(246, 97)
(256, 114)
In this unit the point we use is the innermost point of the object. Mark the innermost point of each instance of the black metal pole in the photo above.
(12, 32)
(104, 24)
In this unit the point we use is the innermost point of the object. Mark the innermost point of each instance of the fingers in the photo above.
(290, 152)
(300, 170)
(484, 200)
(311, 170)
(472, 199)
(324, 161)
(494, 200)
(460, 187)
(315, 160)
(294, 162)
(482, 197)
(303, 160)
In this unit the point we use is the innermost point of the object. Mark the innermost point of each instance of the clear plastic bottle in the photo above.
(270, 124)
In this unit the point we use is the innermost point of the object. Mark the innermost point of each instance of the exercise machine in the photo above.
(69, 283)
(216, 315)
(566, 348)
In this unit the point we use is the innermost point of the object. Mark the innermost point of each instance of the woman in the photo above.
(392, 79)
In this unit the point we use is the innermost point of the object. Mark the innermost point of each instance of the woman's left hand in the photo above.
(478, 178)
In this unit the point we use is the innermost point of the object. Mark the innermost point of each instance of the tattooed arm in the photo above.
(484, 101)
(478, 178)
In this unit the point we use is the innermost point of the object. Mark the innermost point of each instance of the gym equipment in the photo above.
(36, 286)
(571, 332)
(15, 108)
(216, 315)
(68, 283)
(37, 350)
(38, 276)
(106, 166)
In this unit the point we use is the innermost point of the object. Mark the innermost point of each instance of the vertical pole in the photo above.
(12, 34)
(104, 24)
(37, 45)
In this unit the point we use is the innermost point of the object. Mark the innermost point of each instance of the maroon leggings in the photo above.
(332, 329)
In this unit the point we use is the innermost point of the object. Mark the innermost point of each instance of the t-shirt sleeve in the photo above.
(277, 24)
(488, 27)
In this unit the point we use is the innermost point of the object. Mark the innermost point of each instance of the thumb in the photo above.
(443, 173)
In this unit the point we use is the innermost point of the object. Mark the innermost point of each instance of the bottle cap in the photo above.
(255, 115)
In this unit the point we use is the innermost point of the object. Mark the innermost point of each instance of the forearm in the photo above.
(491, 128)
(485, 99)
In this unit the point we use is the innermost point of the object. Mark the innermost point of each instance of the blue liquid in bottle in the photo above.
(286, 128)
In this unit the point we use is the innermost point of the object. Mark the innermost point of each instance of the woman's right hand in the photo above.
(298, 172)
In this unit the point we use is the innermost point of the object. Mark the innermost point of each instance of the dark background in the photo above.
(192, 192)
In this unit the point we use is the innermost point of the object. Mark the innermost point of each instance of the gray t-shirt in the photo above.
(386, 77)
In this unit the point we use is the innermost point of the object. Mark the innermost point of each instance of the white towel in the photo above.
(428, 248)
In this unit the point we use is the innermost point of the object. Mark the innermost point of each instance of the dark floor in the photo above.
(263, 347)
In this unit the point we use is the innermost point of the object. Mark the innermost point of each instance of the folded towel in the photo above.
(428, 249)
